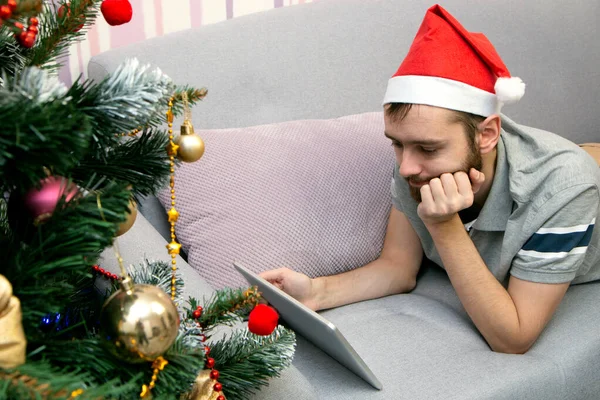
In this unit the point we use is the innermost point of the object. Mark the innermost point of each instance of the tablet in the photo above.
(312, 326)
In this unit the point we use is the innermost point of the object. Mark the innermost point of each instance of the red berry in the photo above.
(5, 12)
(218, 387)
(95, 268)
(29, 40)
(12, 4)
(206, 350)
(210, 362)
(214, 374)
(114, 276)
(221, 398)
(33, 29)
(196, 314)
(33, 21)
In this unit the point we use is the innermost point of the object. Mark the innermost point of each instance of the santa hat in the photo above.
(450, 67)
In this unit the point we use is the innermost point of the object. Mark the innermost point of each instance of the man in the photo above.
(508, 211)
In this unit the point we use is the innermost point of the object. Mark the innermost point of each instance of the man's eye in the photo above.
(397, 145)
(428, 150)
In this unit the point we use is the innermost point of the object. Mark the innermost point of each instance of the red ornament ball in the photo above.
(197, 314)
(42, 202)
(263, 320)
(116, 12)
(214, 374)
(221, 397)
(218, 387)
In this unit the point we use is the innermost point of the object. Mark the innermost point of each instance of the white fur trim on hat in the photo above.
(441, 92)
(509, 90)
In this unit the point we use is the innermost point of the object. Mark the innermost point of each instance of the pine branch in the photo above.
(245, 361)
(186, 356)
(194, 96)
(141, 161)
(157, 273)
(47, 269)
(225, 307)
(57, 34)
(5, 232)
(40, 380)
(39, 123)
(129, 98)
(12, 59)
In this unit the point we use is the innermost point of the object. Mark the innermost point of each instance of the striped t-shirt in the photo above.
(538, 220)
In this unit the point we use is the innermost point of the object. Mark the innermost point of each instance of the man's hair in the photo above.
(398, 111)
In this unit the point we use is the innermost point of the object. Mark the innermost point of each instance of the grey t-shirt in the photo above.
(538, 220)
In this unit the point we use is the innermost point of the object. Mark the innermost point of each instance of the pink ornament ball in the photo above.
(42, 202)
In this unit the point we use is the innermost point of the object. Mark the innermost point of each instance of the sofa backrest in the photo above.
(333, 58)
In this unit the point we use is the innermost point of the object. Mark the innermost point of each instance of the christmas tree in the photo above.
(72, 162)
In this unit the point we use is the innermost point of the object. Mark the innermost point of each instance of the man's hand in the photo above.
(297, 285)
(445, 196)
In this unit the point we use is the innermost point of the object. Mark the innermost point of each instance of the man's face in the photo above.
(428, 144)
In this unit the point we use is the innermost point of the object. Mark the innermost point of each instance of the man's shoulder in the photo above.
(542, 163)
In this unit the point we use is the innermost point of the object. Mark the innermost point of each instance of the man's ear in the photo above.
(489, 133)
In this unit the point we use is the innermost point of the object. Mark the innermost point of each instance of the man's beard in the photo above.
(473, 160)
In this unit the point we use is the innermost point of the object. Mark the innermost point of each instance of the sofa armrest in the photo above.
(141, 242)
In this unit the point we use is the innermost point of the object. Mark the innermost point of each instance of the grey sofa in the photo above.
(333, 58)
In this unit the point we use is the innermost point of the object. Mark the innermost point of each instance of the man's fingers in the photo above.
(274, 276)
(449, 184)
(437, 190)
(463, 184)
(426, 196)
(477, 179)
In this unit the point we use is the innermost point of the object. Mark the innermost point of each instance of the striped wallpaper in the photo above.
(154, 18)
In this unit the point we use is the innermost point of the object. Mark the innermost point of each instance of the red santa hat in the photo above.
(450, 67)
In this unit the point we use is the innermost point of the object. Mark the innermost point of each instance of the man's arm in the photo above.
(509, 320)
(395, 271)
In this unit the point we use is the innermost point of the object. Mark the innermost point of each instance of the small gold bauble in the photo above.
(191, 146)
(131, 216)
(138, 322)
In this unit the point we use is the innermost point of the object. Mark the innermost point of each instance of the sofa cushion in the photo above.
(313, 195)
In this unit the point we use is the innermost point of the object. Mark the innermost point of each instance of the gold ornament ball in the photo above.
(138, 322)
(131, 216)
(191, 147)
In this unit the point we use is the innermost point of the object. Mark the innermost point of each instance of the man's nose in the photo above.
(409, 165)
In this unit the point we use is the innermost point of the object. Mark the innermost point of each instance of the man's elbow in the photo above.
(517, 346)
